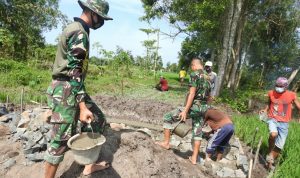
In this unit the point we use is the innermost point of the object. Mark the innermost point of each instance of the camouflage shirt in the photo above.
(72, 55)
(200, 80)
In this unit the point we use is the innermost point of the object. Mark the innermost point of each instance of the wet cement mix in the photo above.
(131, 151)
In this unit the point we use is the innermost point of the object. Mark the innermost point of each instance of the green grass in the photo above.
(140, 86)
(289, 160)
(16, 76)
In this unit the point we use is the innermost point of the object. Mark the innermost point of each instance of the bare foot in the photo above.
(194, 162)
(89, 169)
(163, 145)
(117, 127)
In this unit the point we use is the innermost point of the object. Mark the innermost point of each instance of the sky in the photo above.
(124, 30)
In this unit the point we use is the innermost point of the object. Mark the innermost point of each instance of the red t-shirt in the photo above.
(281, 105)
(164, 84)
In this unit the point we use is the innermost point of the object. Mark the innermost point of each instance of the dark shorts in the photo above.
(220, 139)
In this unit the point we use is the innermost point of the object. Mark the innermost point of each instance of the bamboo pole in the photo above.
(250, 168)
(257, 152)
(156, 56)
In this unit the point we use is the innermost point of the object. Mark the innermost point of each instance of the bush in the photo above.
(239, 100)
(17, 75)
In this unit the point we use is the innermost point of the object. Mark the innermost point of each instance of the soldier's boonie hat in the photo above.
(100, 7)
(208, 63)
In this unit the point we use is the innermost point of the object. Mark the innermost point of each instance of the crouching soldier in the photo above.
(222, 128)
(195, 107)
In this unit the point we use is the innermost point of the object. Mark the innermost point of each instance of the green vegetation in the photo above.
(17, 75)
(241, 98)
(114, 79)
(245, 127)
(250, 42)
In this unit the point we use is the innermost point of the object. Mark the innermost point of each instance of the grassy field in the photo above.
(34, 78)
(289, 160)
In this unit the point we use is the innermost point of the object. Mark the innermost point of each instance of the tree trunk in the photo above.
(296, 86)
(213, 55)
(234, 23)
(293, 75)
(229, 66)
(228, 40)
(236, 57)
(239, 73)
(261, 80)
(222, 58)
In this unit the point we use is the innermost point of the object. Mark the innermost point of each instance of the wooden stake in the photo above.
(122, 86)
(257, 152)
(22, 94)
(250, 168)
(7, 101)
(240, 146)
(40, 101)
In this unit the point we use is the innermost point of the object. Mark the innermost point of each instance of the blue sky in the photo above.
(124, 30)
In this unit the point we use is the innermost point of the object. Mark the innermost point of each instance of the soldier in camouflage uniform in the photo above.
(67, 96)
(195, 108)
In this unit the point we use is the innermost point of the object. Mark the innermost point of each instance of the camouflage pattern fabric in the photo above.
(78, 62)
(196, 113)
(100, 7)
(200, 80)
(65, 119)
(72, 58)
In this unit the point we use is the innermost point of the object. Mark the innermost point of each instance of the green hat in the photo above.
(100, 7)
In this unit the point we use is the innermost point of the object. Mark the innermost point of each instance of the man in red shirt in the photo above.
(279, 112)
(163, 84)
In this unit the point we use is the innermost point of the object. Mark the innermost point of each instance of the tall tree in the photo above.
(23, 21)
(244, 37)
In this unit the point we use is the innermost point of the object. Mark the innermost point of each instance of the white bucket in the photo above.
(85, 154)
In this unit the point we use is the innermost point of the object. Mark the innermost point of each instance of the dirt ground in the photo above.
(131, 153)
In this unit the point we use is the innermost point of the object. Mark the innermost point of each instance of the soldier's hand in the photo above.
(183, 116)
(86, 116)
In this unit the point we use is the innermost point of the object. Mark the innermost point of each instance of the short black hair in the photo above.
(198, 59)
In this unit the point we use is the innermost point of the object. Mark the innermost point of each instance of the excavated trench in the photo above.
(130, 148)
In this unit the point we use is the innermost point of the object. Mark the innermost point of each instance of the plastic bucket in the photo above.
(86, 147)
(181, 129)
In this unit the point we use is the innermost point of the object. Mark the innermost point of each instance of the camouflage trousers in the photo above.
(196, 113)
(65, 119)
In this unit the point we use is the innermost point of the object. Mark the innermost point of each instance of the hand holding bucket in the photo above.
(181, 129)
(263, 116)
